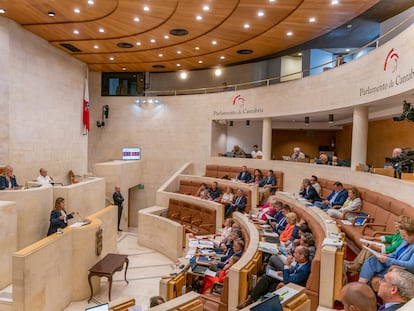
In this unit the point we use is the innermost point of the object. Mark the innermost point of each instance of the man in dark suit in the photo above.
(395, 289)
(297, 273)
(335, 199)
(239, 204)
(244, 175)
(308, 192)
(118, 200)
(358, 296)
(269, 182)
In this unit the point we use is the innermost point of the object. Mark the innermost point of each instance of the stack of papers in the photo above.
(375, 253)
(191, 252)
(205, 244)
(270, 248)
(270, 234)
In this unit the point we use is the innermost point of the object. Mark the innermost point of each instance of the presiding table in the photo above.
(106, 267)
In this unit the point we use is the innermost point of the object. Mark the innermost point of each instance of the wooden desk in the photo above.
(106, 267)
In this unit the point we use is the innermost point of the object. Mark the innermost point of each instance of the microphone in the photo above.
(84, 220)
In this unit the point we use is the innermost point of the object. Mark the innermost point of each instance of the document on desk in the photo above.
(193, 243)
(205, 244)
(267, 247)
(270, 234)
(135, 308)
(286, 293)
(78, 224)
(210, 273)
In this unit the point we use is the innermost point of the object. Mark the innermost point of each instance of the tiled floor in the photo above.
(144, 272)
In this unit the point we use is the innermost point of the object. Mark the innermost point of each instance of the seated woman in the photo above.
(209, 281)
(8, 180)
(286, 234)
(257, 177)
(58, 217)
(352, 204)
(378, 245)
(225, 233)
(227, 196)
(403, 257)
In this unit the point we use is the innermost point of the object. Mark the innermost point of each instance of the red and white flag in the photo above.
(86, 117)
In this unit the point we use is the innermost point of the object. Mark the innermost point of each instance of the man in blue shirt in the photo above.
(336, 199)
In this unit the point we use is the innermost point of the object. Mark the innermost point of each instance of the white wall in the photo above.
(291, 68)
(41, 106)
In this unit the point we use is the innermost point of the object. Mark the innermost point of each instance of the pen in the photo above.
(282, 295)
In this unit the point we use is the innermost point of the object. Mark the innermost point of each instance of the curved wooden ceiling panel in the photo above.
(257, 25)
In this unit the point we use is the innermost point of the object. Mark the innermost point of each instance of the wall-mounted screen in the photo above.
(131, 153)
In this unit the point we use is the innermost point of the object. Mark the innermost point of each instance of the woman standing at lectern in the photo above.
(58, 217)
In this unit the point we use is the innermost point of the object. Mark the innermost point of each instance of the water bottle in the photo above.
(183, 289)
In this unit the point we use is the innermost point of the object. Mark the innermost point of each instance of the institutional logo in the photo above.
(239, 101)
(391, 61)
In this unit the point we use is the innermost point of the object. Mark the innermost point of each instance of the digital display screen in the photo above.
(131, 153)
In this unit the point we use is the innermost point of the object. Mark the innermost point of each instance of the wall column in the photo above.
(267, 139)
(359, 136)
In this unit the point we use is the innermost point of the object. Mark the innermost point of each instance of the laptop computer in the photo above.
(103, 307)
(196, 268)
(286, 158)
(272, 303)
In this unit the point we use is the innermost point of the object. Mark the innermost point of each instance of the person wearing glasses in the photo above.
(395, 289)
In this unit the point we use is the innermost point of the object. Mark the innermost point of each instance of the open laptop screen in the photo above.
(103, 307)
(270, 304)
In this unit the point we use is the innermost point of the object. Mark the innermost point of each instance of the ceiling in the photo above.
(115, 35)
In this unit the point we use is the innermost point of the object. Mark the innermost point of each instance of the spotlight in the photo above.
(230, 123)
(247, 122)
(306, 120)
(331, 118)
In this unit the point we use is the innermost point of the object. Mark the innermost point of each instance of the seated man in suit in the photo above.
(396, 288)
(239, 204)
(308, 192)
(296, 270)
(267, 186)
(323, 159)
(336, 198)
(244, 175)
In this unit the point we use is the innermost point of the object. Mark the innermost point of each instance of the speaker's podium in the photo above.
(292, 297)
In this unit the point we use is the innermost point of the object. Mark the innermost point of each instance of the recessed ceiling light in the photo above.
(183, 75)
(76, 32)
(138, 43)
(123, 68)
(178, 65)
(246, 26)
(146, 8)
(178, 32)
(260, 13)
(299, 54)
(312, 19)
(214, 42)
(96, 46)
(124, 45)
(334, 2)
(200, 61)
(178, 52)
(2, 11)
(160, 55)
(51, 13)
(76, 10)
(244, 51)
(101, 30)
(136, 19)
(91, 2)
(152, 41)
(217, 72)
(289, 33)
(197, 48)
(222, 57)
(111, 58)
(272, 0)
(199, 17)
(206, 8)
(166, 37)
